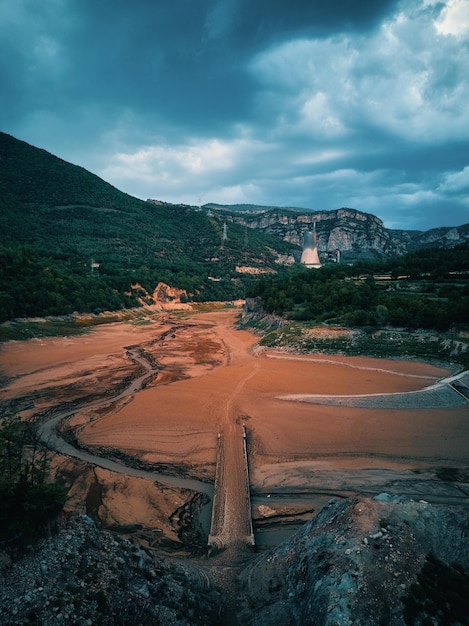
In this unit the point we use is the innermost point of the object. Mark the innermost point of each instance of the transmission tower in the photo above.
(224, 236)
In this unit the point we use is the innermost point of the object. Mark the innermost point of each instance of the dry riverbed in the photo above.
(300, 451)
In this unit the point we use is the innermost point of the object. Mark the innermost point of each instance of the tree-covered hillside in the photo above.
(57, 218)
(424, 289)
(72, 242)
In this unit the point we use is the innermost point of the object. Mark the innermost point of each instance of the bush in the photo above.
(29, 501)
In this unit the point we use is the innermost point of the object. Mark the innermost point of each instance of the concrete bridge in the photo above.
(231, 524)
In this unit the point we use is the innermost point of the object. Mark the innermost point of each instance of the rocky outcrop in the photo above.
(386, 560)
(358, 562)
(444, 237)
(83, 576)
(352, 234)
(167, 296)
(164, 296)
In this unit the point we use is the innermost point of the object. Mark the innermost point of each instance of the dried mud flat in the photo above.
(301, 450)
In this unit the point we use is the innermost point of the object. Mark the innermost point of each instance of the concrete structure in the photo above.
(309, 256)
(231, 523)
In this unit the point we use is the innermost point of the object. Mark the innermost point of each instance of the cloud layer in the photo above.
(276, 102)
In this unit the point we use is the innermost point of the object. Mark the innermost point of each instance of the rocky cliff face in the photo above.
(164, 296)
(348, 232)
(364, 561)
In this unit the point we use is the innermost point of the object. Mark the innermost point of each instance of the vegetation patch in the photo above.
(23, 330)
(29, 500)
(305, 338)
(67, 325)
(416, 306)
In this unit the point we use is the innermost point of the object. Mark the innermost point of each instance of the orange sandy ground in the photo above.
(181, 420)
(178, 422)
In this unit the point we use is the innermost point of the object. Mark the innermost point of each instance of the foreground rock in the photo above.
(360, 562)
(84, 576)
(363, 561)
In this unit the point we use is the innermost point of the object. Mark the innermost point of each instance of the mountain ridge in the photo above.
(74, 242)
(356, 234)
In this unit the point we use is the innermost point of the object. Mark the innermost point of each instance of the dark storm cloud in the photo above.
(319, 104)
(178, 59)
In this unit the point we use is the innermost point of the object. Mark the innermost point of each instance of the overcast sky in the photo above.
(309, 103)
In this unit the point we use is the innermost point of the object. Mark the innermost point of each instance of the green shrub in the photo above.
(29, 500)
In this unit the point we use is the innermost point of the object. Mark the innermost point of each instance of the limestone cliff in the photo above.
(351, 233)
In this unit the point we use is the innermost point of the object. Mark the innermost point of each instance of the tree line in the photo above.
(430, 296)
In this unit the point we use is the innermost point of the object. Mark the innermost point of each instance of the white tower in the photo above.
(310, 256)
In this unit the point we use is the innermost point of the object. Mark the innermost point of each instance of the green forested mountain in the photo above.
(57, 218)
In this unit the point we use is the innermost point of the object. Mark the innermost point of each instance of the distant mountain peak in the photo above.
(356, 234)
